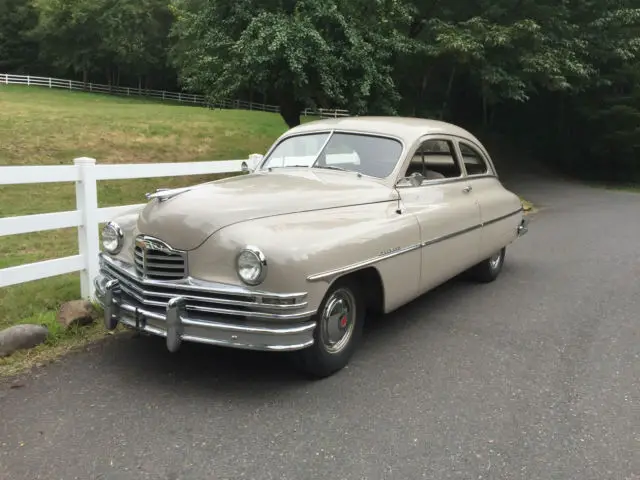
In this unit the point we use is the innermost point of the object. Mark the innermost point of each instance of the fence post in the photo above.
(88, 238)
(49, 82)
(255, 159)
(28, 80)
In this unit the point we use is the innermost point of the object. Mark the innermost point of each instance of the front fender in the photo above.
(307, 251)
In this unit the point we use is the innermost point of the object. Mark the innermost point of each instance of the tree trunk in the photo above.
(422, 90)
(290, 110)
(447, 94)
(485, 106)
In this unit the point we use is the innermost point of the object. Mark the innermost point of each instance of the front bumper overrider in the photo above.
(203, 312)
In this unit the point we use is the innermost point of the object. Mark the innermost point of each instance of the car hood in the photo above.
(186, 220)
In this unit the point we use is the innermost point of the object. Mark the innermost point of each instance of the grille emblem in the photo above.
(156, 260)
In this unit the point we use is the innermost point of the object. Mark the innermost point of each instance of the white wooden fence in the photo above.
(87, 216)
(186, 98)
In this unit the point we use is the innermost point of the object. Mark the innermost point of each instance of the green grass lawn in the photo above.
(39, 126)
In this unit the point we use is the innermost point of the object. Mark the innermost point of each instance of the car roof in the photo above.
(408, 129)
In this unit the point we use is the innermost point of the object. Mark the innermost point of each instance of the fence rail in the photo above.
(87, 216)
(180, 97)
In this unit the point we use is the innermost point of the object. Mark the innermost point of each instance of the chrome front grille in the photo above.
(157, 261)
(205, 299)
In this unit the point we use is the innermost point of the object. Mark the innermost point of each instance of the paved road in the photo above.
(536, 376)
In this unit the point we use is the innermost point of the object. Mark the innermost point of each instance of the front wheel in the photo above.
(340, 319)
(489, 269)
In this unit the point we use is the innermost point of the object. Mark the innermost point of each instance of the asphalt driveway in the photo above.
(535, 376)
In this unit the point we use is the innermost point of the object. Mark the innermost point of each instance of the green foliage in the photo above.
(305, 53)
(107, 36)
(559, 68)
(69, 34)
(18, 52)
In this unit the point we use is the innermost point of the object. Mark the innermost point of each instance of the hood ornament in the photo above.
(163, 194)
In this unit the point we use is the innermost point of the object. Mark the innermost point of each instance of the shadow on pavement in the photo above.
(144, 361)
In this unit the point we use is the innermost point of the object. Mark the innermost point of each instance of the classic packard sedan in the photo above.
(341, 218)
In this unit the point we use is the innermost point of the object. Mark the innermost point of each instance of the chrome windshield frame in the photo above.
(400, 158)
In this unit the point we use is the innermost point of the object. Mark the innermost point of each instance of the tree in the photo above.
(18, 52)
(70, 34)
(136, 35)
(109, 36)
(302, 53)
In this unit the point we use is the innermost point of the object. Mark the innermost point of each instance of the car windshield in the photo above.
(365, 154)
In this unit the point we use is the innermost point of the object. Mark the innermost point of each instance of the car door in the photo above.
(446, 209)
(500, 209)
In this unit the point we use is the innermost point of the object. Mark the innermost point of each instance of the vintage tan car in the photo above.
(341, 218)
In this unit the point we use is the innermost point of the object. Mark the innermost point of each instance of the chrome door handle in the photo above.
(467, 189)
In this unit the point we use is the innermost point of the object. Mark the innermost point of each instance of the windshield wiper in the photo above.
(332, 167)
(289, 166)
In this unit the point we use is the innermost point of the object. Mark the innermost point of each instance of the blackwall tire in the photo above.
(489, 269)
(340, 320)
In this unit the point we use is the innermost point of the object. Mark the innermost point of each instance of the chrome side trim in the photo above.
(365, 263)
(445, 181)
(371, 261)
(503, 217)
(448, 236)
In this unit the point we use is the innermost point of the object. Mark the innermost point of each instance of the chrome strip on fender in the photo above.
(503, 217)
(365, 263)
(371, 261)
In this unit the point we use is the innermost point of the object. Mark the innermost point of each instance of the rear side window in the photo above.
(435, 159)
(473, 160)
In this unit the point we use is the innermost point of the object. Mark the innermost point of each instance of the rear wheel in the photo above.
(489, 269)
(340, 319)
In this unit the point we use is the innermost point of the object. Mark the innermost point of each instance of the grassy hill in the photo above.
(39, 126)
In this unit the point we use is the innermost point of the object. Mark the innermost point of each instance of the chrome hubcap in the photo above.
(494, 262)
(338, 320)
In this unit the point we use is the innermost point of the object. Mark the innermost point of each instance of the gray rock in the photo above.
(20, 337)
(76, 312)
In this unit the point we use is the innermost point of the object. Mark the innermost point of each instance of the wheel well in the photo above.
(372, 287)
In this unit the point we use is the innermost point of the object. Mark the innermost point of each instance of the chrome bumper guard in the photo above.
(523, 228)
(186, 315)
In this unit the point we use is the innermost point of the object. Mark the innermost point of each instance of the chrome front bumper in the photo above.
(201, 312)
(523, 228)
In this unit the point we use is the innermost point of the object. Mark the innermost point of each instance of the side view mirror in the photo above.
(413, 180)
(250, 165)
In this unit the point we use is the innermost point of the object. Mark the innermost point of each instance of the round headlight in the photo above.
(112, 238)
(252, 265)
